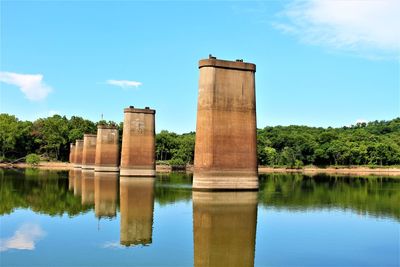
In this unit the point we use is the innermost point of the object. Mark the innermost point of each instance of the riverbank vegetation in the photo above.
(375, 143)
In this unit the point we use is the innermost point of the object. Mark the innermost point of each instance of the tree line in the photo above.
(372, 143)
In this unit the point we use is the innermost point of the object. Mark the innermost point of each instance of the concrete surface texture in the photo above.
(71, 153)
(78, 153)
(224, 228)
(138, 143)
(107, 149)
(226, 144)
(136, 207)
(89, 151)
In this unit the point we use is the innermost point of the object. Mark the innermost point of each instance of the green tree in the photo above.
(271, 156)
(288, 157)
(78, 127)
(51, 134)
(33, 159)
(8, 133)
(166, 143)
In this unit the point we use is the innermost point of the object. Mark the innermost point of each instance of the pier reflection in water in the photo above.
(87, 187)
(71, 180)
(105, 194)
(224, 228)
(136, 208)
(77, 182)
(299, 219)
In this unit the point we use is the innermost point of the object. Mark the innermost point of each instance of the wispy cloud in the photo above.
(32, 85)
(111, 245)
(24, 238)
(370, 28)
(124, 83)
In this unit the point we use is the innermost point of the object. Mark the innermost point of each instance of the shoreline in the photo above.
(352, 170)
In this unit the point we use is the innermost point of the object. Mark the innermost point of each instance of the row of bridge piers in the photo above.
(226, 146)
(225, 168)
(101, 152)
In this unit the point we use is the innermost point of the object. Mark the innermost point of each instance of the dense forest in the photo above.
(373, 143)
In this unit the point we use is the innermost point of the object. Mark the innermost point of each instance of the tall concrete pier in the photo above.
(107, 149)
(226, 144)
(71, 153)
(138, 143)
(78, 153)
(89, 151)
(136, 206)
(224, 228)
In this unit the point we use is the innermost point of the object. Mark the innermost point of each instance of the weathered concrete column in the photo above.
(107, 149)
(224, 228)
(78, 153)
(89, 151)
(87, 187)
(105, 194)
(226, 144)
(71, 153)
(138, 143)
(136, 207)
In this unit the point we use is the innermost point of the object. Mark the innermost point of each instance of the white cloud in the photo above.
(24, 238)
(111, 245)
(31, 85)
(367, 27)
(124, 83)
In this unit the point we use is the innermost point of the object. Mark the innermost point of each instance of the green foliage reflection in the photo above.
(42, 191)
(173, 187)
(48, 192)
(376, 196)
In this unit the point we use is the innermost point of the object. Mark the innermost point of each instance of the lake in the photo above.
(61, 218)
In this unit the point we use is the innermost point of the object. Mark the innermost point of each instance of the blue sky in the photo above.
(319, 63)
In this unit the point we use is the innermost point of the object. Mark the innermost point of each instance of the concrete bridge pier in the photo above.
(107, 149)
(138, 143)
(71, 153)
(78, 154)
(226, 144)
(89, 151)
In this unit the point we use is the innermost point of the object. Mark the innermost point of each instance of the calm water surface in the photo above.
(51, 218)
